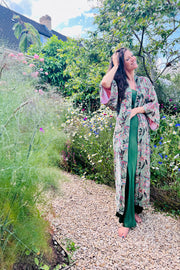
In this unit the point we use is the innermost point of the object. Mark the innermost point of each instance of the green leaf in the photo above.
(23, 44)
(44, 267)
(27, 252)
(17, 29)
(36, 261)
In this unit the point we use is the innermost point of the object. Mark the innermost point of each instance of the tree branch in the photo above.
(167, 65)
(136, 36)
(144, 64)
(141, 43)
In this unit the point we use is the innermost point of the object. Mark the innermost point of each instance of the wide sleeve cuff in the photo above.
(152, 110)
(105, 94)
(109, 96)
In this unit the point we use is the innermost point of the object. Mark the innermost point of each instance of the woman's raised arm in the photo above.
(108, 78)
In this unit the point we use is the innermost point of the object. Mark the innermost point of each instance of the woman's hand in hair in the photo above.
(115, 59)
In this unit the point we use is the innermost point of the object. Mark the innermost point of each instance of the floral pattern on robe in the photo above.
(146, 97)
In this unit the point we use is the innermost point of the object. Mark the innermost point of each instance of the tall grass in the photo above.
(31, 139)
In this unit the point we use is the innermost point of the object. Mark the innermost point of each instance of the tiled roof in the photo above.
(7, 37)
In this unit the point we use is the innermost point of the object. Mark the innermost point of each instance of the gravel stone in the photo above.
(84, 212)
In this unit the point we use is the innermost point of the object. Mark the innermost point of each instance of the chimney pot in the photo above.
(46, 20)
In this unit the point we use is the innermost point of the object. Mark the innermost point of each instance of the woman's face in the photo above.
(129, 61)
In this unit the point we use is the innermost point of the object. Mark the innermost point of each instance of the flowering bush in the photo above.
(165, 161)
(50, 64)
(89, 150)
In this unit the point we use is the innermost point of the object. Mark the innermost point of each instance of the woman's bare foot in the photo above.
(137, 218)
(123, 232)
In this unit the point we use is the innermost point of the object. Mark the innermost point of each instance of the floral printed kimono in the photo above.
(147, 98)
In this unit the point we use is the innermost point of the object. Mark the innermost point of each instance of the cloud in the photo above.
(73, 31)
(78, 26)
(60, 11)
(21, 6)
(14, 1)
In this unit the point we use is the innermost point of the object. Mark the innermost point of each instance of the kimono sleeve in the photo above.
(109, 96)
(151, 107)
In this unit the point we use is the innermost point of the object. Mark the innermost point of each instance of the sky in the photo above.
(72, 18)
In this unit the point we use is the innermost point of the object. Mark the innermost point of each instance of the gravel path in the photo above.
(85, 213)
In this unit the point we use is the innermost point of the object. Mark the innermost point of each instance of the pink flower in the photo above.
(41, 92)
(24, 73)
(31, 65)
(42, 130)
(36, 90)
(83, 109)
(34, 74)
(104, 113)
(24, 62)
(20, 54)
(41, 59)
(46, 73)
(41, 69)
(36, 56)
(170, 99)
(11, 55)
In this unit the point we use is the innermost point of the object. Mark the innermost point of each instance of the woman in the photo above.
(137, 108)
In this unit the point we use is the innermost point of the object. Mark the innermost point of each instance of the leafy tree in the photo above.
(26, 33)
(147, 26)
(86, 63)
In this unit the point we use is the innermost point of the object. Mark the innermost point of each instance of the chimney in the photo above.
(46, 20)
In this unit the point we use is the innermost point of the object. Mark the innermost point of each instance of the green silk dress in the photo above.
(128, 218)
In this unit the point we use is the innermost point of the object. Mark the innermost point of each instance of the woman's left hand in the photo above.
(136, 110)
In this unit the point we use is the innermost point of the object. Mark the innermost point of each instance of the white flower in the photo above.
(175, 168)
(99, 161)
(174, 132)
(176, 156)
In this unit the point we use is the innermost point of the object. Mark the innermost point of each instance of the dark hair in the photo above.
(120, 77)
